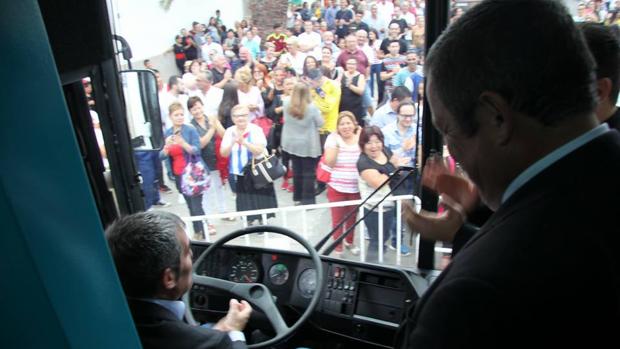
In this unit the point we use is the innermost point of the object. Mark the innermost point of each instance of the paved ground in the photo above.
(312, 224)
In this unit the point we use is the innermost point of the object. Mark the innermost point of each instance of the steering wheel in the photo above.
(257, 294)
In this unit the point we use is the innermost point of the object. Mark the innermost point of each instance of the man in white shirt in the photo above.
(328, 40)
(210, 95)
(385, 9)
(362, 43)
(406, 14)
(374, 20)
(310, 41)
(175, 93)
(211, 48)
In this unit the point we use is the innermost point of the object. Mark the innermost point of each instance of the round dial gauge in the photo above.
(243, 270)
(307, 283)
(278, 274)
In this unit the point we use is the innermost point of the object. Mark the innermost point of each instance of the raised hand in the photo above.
(236, 318)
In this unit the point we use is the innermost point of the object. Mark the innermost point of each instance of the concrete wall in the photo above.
(150, 29)
(265, 13)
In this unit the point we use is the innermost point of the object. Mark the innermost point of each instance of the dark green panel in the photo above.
(17, 264)
(59, 286)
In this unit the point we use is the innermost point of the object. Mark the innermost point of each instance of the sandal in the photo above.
(212, 230)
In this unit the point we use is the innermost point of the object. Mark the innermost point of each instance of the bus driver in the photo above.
(153, 259)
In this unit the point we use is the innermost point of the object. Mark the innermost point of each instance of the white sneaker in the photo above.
(161, 203)
(354, 250)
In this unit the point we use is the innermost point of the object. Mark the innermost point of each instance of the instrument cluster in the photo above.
(288, 277)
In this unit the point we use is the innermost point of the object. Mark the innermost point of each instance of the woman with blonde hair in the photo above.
(249, 95)
(294, 58)
(300, 139)
(341, 154)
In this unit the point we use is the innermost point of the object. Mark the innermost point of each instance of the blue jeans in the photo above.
(372, 224)
(375, 71)
(232, 182)
(408, 187)
(367, 97)
(147, 161)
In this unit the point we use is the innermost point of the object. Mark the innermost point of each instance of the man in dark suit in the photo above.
(154, 263)
(516, 106)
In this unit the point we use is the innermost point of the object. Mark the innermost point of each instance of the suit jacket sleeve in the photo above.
(455, 317)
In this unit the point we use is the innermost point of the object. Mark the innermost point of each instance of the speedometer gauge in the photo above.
(278, 274)
(307, 283)
(243, 270)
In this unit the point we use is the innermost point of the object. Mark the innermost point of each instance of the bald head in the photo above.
(362, 37)
(244, 54)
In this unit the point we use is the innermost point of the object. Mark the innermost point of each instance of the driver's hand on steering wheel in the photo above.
(236, 318)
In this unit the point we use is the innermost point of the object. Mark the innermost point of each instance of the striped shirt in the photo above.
(344, 173)
(240, 155)
(390, 64)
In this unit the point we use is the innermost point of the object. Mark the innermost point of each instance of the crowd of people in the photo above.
(532, 141)
(336, 77)
(311, 88)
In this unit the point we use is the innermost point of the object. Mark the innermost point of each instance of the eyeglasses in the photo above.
(240, 115)
(407, 116)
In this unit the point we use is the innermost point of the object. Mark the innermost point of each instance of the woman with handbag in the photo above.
(182, 147)
(341, 154)
(242, 143)
(300, 139)
(374, 165)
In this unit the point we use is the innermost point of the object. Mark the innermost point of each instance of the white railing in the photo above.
(303, 209)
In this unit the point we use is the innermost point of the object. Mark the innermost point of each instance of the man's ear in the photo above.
(499, 116)
(603, 89)
(168, 279)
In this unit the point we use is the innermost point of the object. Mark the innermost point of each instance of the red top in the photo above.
(278, 40)
(178, 159)
(362, 60)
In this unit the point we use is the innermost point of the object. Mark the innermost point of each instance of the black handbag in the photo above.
(266, 170)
